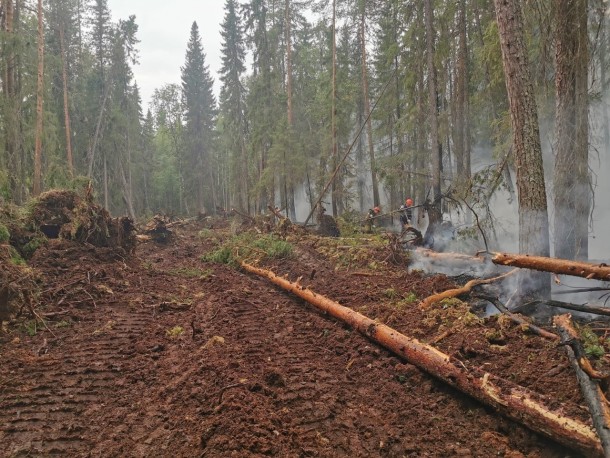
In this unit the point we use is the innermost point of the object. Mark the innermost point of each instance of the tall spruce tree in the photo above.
(232, 106)
(199, 115)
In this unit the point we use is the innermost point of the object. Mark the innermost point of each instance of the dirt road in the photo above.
(165, 355)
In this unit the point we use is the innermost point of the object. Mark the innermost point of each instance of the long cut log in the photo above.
(596, 401)
(558, 266)
(510, 400)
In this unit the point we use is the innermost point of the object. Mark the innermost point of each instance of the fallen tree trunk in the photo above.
(596, 401)
(511, 400)
(427, 302)
(502, 308)
(558, 266)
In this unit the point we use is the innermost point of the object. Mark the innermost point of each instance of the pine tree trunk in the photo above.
(367, 108)
(289, 191)
(533, 216)
(583, 178)
(433, 104)
(435, 145)
(461, 154)
(64, 75)
(603, 49)
(333, 116)
(37, 185)
(8, 87)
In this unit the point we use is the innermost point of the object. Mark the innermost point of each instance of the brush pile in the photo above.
(64, 214)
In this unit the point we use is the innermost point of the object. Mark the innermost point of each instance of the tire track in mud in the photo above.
(56, 403)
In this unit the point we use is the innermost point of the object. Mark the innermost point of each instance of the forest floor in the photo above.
(160, 353)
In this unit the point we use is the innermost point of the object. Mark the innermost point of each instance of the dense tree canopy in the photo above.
(298, 83)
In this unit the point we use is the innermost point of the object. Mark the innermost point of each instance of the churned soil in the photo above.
(159, 353)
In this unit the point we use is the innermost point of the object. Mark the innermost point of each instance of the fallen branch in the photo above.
(558, 266)
(517, 319)
(427, 302)
(596, 401)
(567, 305)
(511, 400)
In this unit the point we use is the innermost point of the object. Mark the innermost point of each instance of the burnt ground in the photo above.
(163, 354)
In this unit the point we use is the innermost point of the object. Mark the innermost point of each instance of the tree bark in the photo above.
(565, 128)
(533, 215)
(511, 400)
(37, 185)
(591, 391)
(558, 266)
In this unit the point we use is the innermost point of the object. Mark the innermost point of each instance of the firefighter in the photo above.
(370, 218)
(407, 212)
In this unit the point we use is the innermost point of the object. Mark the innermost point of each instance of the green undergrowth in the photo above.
(595, 346)
(249, 247)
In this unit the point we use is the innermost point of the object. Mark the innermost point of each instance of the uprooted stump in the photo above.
(65, 214)
(157, 229)
(328, 226)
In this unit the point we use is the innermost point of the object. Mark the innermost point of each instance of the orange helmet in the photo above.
(376, 209)
(409, 201)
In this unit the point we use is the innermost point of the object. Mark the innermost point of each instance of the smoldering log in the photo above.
(555, 265)
(511, 400)
(594, 397)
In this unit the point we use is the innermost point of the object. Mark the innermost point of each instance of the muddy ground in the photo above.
(159, 353)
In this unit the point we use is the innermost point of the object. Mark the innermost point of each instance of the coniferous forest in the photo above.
(448, 102)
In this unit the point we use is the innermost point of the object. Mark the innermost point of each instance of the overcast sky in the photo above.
(164, 29)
